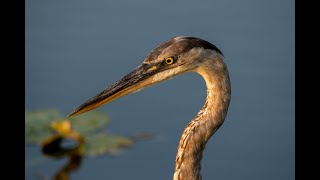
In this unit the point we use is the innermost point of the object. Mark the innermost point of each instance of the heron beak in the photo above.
(132, 82)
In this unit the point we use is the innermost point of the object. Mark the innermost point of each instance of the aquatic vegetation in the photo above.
(48, 129)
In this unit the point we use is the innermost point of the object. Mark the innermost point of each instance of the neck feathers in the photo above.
(208, 120)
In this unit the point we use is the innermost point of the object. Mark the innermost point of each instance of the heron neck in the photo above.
(209, 119)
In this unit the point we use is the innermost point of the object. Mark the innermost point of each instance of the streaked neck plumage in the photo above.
(208, 120)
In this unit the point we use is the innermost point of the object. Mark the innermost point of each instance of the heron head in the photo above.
(176, 56)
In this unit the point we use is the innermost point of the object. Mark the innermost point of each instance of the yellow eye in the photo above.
(168, 60)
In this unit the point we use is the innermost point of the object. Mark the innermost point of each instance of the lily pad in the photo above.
(89, 122)
(42, 127)
(37, 124)
(100, 144)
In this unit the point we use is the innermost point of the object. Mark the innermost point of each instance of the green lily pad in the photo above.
(100, 144)
(89, 122)
(38, 129)
(37, 124)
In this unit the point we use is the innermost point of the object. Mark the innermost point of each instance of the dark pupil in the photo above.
(169, 61)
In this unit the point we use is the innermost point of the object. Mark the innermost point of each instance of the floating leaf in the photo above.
(100, 144)
(49, 129)
(37, 124)
(89, 122)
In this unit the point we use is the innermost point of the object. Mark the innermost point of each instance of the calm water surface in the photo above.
(74, 49)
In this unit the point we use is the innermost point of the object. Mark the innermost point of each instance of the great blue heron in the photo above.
(176, 56)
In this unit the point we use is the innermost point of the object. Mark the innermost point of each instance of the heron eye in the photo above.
(169, 60)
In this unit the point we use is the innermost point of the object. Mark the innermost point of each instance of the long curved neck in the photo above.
(208, 120)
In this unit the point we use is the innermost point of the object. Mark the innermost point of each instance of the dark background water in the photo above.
(76, 48)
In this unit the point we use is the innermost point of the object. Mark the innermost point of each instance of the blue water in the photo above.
(75, 48)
